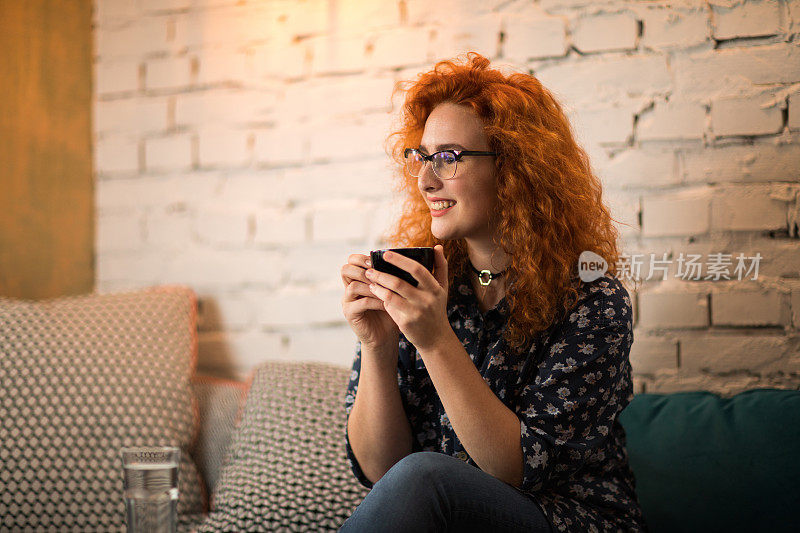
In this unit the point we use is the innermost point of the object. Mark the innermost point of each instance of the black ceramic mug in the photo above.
(423, 256)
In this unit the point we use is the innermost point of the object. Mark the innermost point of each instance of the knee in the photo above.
(420, 469)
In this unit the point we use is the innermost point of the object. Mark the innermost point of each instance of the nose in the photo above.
(428, 180)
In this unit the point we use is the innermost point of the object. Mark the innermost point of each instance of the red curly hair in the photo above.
(550, 201)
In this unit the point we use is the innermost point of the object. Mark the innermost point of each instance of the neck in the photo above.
(487, 256)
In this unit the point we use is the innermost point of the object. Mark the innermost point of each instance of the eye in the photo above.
(445, 158)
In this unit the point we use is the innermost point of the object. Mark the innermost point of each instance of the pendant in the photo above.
(487, 274)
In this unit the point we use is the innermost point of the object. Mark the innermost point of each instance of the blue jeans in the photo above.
(431, 491)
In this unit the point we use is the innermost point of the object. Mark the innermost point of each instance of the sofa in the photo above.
(82, 376)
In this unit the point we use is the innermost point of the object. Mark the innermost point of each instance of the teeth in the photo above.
(438, 206)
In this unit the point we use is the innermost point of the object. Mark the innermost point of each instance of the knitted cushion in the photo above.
(81, 378)
(287, 469)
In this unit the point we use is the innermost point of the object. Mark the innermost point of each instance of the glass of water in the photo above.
(151, 488)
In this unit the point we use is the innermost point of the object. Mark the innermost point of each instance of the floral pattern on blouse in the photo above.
(567, 390)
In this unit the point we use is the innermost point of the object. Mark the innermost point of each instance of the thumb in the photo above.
(440, 265)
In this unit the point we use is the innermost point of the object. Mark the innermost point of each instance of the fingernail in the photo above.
(369, 263)
(388, 255)
(369, 273)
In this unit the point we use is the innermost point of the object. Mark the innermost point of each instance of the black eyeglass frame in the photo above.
(457, 154)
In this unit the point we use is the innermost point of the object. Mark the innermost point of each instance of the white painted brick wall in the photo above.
(240, 149)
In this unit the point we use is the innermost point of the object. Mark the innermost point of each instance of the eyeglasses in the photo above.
(444, 163)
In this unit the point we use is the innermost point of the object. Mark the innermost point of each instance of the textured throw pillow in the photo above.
(81, 378)
(286, 469)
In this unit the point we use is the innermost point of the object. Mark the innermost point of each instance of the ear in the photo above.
(440, 266)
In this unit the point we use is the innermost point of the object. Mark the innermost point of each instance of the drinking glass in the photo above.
(151, 488)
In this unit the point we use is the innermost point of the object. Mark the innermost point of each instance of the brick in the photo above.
(365, 178)
(157, 191)
(353, 95)
(362, 137)
(246, 268)
(724, 353)
(223, 147)
(747, 19)
(136, 269)
(299, 307)
(340, 222)
(533, 35)
(169, 229)
(669, 28)
(795, 304)
(116, 155)
(624, 208)
(168, 153)
(593, 79)
(161, 6)
(606, 125)
(221, 66)
(642, 167)
(222, 229)
(654, 355)
(116, 77)
(170, 73)
(356, 16)
(118, 232)
(115, 13)
(287, 61)
(144, 36)
(222, 106)
(605, 32)
(760, 161)
(794, 111)
(749, 308)
(745, 116)
(420, 12)
(562, 5)
(333, 54)
(284, 145)
(329, 345)
(224, 26)
(319, 263)
(728, 72)
(672, 120)
(236, 354)
(130, 116)
(300, 19)
(399, 47)
(748, 209)
(222, 311)
(252, 189)
(680, 213)
(278, 226)
(478, 33)
(673, 309)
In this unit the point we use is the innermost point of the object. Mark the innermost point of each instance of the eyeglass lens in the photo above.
(444, 164)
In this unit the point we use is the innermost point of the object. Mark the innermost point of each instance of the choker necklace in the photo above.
(485, 277)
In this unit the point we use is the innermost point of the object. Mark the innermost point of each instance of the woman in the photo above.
(486, 398)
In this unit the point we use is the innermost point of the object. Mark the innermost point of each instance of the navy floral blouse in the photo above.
(567, 391)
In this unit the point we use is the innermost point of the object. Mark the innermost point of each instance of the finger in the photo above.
(357, 289)
(392, 301)
(359, 260)
(390, 282)
(440, 268)
(419, 272)
(361, 305)
(353, 273)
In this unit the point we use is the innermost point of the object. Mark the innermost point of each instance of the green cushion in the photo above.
(706, 463)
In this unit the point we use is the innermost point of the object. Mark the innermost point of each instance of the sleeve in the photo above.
(349, 400)
(569, 404)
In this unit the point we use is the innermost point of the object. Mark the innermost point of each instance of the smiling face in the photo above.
(472, 193)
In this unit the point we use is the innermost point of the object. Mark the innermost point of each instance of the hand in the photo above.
(363, 310)
(420, 312)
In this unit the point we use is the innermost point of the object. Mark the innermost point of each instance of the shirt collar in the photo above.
(464, 301)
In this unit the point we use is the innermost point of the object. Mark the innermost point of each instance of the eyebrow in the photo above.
(443, 147)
